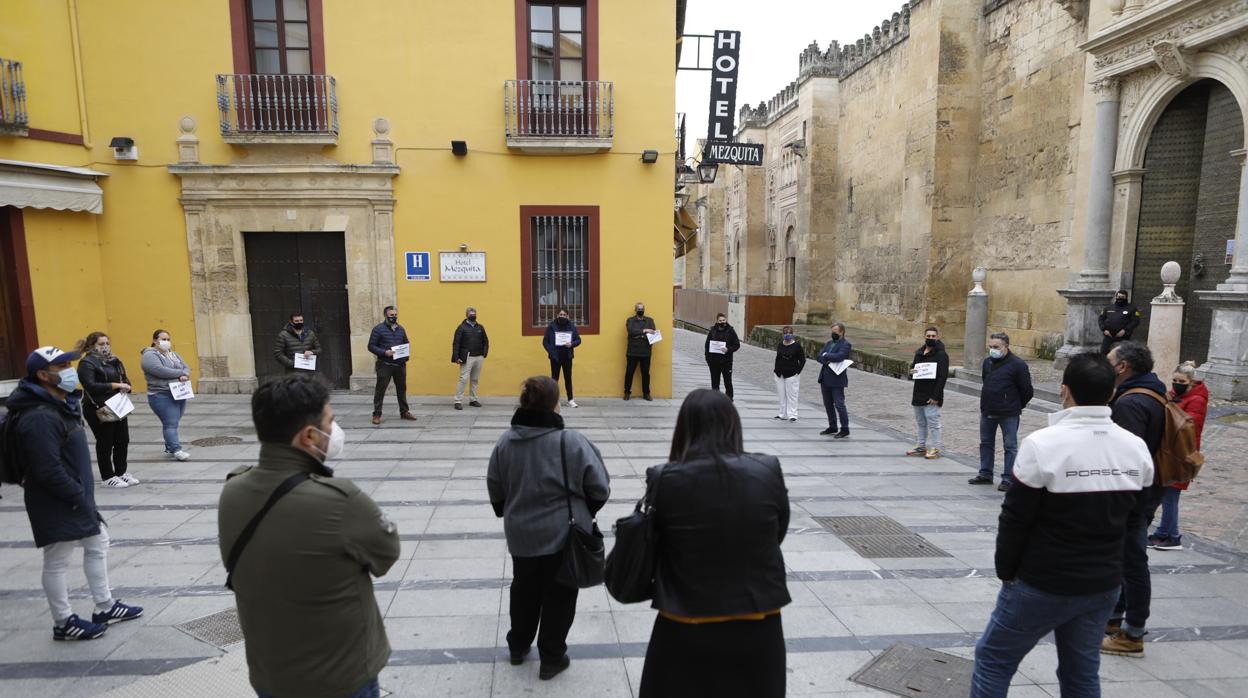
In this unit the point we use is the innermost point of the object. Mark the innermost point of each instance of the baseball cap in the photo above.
(43, 357)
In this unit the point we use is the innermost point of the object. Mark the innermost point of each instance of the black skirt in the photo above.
(736, 658)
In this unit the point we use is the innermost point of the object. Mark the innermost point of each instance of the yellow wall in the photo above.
(436, 71)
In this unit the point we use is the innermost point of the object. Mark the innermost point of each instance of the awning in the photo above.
(685, 232)
(38, 185)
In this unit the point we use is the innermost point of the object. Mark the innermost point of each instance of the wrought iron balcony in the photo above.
(550, 116)
(13, 119)
(278, 108)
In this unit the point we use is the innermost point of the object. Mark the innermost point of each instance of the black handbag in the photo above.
(582, 563)
(630, 567)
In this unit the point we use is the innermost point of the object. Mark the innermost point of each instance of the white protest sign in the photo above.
(181, 390)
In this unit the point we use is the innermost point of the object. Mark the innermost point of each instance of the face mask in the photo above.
(165, 345)
(721, 323)
(929, 342)
(393, 320)
(1120, 301)
(337, 441)
(836, 337)
(996, 353)
(1180, 388)
(641, 312)
(67, 379)
(562, 321)
(297, 325)
(472, 318)
(788, 338)
(104, 350)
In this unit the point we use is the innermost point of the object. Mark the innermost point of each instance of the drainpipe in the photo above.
(79, 80)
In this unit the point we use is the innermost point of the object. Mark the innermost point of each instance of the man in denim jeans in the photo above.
(1006, 391)
(929, 393)
(1060, 537)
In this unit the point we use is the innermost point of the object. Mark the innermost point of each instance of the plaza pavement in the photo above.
(445, 601)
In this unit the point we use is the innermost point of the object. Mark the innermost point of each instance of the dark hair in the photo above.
(89, 343)
(1005, 338)
(156, 334)
(786, 327)
(388, 308)
(1136, 354)
(297, 313)
(1090, 379)
(539, 393)
(284, 405)
(1122, 292)
(932, 328)
(840, 326)
(708, 425)
(719, 315)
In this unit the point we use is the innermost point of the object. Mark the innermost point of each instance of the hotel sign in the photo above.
(724, 85)
(461, 266)
(733, 153)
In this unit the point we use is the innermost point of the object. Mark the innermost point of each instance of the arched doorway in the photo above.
(790, 262)
(1188, 205)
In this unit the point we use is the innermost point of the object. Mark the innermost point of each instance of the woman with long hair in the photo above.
(1193, 397)
(720, 515)
(162, 366)
(538, 471)
(103, 376)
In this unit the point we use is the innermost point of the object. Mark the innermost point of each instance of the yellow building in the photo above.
(208, 168)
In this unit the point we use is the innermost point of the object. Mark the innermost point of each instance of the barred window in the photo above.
(560, 266)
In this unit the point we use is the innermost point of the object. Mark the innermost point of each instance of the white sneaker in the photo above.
(181, 455)
(130, 479)
(116, 482)
(572, 403)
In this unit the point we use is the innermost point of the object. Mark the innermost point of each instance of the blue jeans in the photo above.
(927, 418)
(1024, 615)
(372, 689)
(834, 405)
(169, 411)
(1168, 527)
(988, 444)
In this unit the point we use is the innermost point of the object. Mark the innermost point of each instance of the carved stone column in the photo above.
(1226, 371)
(976, 322)
(1165, 324)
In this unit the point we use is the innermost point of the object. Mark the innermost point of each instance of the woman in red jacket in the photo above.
(1193, 397)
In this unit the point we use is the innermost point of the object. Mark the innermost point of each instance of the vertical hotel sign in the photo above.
(724, 85)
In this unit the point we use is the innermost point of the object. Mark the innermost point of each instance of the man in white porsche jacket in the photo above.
(1060, 534)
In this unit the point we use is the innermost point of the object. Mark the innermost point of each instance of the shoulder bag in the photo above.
(582, 563)
(104, 413)
(236, 550)
(630, 567)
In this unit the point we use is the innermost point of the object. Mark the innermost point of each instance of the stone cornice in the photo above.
(1127, 44)
(283, 169)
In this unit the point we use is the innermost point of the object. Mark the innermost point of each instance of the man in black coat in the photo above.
(51, 445)
(719, 357)
(295, 338)
(381, 343)
(1118, 321)
(1006, 391)
(639, 328)
(1142, 414)
(929, 393)
(560, 342)
(468, 349)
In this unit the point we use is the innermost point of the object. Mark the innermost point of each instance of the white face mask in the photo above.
(337, 441)
(164, 345)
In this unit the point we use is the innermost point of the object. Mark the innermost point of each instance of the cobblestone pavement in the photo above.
(1215, 507)
(445, 600)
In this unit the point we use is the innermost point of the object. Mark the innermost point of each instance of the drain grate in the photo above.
(217, 441)
(907, 670)
(879, 536)
(218, 629)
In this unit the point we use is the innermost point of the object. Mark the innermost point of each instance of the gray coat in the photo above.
(525, 481)
(159, 370)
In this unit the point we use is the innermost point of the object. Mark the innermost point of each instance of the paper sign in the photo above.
(181, 390)
(654, 337)
(840, 367)
(719, 347)
(563, 339)
(401, 351)
(306, 364)
(120, 405)
(925, 371)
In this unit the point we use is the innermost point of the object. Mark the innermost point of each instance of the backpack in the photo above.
(12, 471)
(1177, 460)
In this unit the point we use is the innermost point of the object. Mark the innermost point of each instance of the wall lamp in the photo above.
(649, 156)
(707, 172)
(459, 148)
(681, 200)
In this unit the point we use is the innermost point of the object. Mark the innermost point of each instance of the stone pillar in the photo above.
(188, 142)
(383, 147)
(1092, 288)
(1165, 324)
(976, 322)
(1226, 371)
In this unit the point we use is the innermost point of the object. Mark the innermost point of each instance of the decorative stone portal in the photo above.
(281, 188)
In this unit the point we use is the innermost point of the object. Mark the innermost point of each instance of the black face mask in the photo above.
(297, 325)
(1180, 388)
(929, 343)
(563, 321)
(393, 320)
(722, 323)
(472, 318)
(1120, 301)
(835, 337)
(641, 313)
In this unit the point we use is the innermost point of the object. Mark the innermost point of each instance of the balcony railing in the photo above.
(278, 108)
(558, 115)
(13, 117)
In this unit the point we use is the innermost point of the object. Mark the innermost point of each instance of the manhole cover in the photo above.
(219, 629)
(217, 441)
(906, 670)
(879, 536)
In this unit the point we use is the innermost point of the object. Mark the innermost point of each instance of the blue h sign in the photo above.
(418, 266)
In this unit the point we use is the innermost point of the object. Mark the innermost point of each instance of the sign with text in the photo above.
(724, 85)
(418, 266)
(461, 266)
(733, 153)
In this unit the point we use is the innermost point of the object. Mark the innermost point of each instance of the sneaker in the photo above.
(118, 613)
(130, 479)
(76, 628)
(1153, 540)
(792, 419)
(829, 430)
(550, 670)
(979, 480)
(181, 455)
(458, 406)
(932, 454)
(116, 482)
(1005, 486)
(841, 435)
(474, 403)
(626, 396)
(572, 404)
(777, 417)
(1123, 645)
(1168, 543)
(917, 451)
(647, 398)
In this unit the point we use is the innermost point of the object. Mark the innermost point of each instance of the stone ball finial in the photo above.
(1170, 273)
(381, 126)
(187, 125)
(979, 275)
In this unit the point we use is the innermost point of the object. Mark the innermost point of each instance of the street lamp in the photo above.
(707, 171)
(682, 198)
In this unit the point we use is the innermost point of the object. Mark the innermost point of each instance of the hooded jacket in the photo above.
(1140, 414)
(59, 485)
(291, 341)
(725, 334)
(558, 353)
(928, 388)
(159, 370)
(525, 482)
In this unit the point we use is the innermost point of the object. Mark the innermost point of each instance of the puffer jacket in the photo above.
(291, 341)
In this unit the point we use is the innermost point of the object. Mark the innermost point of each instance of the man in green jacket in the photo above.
(302, 581)
(295, 338)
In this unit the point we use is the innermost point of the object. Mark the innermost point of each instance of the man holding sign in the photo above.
(297, 346)
(721, 344)
(560, 341)
(388, 342)
(929, 370)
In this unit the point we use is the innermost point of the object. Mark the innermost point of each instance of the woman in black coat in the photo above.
(103, 376)
(720, 516)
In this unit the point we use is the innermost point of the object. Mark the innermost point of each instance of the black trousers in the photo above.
(736, 658)
(635, 362)
(720, 368)
(112, 443)
(565, 365)
(536, 599)
(384, 373)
